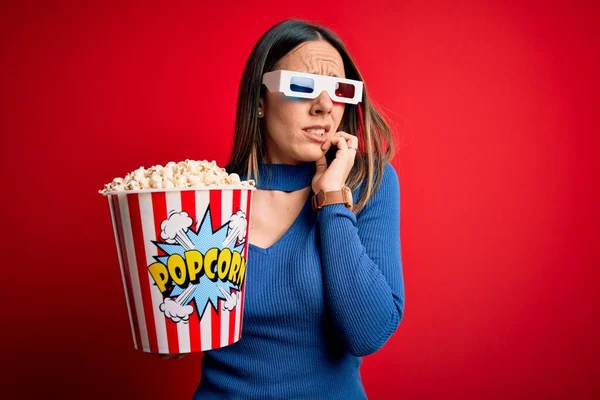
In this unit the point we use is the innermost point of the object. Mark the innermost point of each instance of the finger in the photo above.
(178, 356)
(352, 140)
(328, 143)
(342, 144)
(337, 143)
(336, 140)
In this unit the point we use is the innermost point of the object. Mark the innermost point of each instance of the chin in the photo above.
(311, 155)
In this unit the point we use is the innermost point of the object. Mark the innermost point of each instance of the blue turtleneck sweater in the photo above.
(328, 292)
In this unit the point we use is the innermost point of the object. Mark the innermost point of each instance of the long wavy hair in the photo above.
(376, 147)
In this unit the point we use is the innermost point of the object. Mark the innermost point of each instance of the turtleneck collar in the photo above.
(287, 178)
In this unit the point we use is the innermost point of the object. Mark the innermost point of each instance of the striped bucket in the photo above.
(183, 256)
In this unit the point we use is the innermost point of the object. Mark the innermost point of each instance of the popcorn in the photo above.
(145, 183)
(156, 181)
(234, 178)
(180, 181)
(134, 185)
(138, 174)
(183, 174)
(167, 173)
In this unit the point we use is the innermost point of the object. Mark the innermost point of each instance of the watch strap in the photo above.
(322, 198)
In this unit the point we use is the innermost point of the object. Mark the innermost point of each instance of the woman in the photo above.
(324, 280)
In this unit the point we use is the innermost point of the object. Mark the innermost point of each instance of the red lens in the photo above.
(345, 90)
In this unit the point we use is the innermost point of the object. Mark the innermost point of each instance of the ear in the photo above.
(261, 104)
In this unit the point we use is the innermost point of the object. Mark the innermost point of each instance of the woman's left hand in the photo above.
(334, 177)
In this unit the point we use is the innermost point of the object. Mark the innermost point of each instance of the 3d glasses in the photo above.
(309, 86)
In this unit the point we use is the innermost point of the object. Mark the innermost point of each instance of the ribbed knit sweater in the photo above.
(328, 292)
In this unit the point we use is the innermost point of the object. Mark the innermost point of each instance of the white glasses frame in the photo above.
(280, 81)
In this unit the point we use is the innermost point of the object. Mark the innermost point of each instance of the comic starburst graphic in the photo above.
(205, 291)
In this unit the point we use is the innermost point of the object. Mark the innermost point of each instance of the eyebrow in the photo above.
(316, 73)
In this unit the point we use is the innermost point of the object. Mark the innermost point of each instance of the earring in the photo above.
(259, 113)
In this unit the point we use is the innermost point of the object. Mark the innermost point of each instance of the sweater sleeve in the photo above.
(362, 267)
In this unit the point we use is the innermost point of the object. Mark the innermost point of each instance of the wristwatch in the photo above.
(322, 198)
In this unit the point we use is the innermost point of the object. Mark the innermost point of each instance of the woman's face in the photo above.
(287, 120)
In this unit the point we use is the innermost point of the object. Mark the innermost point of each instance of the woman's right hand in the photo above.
(168, 356)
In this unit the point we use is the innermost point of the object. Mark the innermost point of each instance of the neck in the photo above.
(285, 177)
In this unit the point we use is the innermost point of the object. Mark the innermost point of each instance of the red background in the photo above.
(500, 220)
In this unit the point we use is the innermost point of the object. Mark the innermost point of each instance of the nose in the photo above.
(322, 104)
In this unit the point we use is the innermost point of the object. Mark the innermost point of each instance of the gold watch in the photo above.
(322, 198)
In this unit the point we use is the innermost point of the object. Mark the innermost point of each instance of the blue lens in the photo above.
(302, 85)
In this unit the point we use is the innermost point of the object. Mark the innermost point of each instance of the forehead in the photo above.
(317, 57)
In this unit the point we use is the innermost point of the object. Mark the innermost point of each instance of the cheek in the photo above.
(338, 113)
(288, 114)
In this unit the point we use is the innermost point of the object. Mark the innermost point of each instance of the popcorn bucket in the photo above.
(182, 253)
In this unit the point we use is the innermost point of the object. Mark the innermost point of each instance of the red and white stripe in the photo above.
(136, 221)
(125, 277)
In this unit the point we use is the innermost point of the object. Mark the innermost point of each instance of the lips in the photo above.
(320, 130)
(317, 133)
